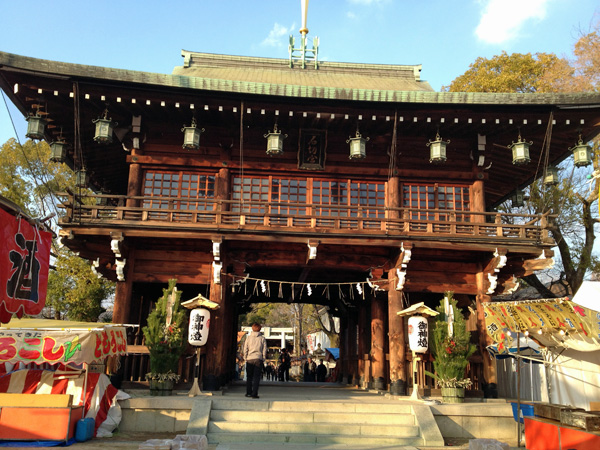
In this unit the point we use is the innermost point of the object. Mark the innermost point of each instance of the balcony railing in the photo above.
(175, 213)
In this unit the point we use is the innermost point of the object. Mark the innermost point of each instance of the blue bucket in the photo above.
(526, 411)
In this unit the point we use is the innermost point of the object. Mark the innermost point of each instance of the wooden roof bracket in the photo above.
(493, 268)
(312, 250)
(402, 264)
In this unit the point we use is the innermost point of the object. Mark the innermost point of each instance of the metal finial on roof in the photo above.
(303, 53)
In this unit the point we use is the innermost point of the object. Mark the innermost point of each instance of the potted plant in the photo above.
(451, 351)
(165, 336)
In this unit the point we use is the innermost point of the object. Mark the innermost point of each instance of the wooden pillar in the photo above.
(123, 293)
(216, 353)
(135, 181)
(344, 349)
(478, 201)
(364, 340)
(378, 311)
(396, 338)
(352, 350)
(490, 388)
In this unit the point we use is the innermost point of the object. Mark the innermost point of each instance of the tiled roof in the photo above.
(367, 92)
(332, 75)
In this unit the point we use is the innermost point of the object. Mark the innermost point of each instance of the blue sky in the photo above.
(445, 36)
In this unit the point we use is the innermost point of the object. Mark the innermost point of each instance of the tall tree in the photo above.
(29, 179)
(574, 199)
(74, 292)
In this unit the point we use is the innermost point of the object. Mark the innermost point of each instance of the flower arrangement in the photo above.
(451, 352)
(166, 343)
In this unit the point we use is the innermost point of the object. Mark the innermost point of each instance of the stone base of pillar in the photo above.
(356, 381)
(210, 383)
(378, 384)
(398, 387)
(490, 390)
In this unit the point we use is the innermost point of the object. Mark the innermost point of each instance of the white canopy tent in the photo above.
(569, 336)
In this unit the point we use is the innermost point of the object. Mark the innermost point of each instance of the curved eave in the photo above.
(12, 62)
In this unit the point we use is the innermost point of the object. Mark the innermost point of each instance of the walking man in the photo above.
(255, 353)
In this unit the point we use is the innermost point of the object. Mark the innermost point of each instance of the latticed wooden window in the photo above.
(423, 197)
(336, 198)
(179, 190)
(330, 197)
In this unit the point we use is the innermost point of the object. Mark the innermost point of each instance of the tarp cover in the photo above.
(571, 358)
(56, 341)
(96, 394)
(556, 322)
(24, 262)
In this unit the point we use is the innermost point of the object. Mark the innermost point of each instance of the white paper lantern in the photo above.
(418, 334)
(199, 325)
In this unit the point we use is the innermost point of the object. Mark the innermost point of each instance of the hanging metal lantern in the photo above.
(418, 334)
(520, 151)
(58, 151)
(199, 326)
(275, 142)
(518, 198)
(437, 150)
(81, 178)
(551, 178)
(104, 129)
(35, 127)
(582, 154)
(191, 136)
(358, 146)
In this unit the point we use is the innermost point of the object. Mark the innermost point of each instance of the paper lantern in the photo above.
(199, 325)
(418, 335)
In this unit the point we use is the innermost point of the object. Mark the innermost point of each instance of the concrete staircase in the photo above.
(314, 422)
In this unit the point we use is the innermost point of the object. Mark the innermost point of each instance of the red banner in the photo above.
(24, 261)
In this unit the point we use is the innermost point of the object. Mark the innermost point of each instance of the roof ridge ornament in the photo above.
(302, 54)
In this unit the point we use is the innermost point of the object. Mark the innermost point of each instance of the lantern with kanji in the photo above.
(418, 337)
(199, 325)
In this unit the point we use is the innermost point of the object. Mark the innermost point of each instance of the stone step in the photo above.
(323, 439)
(340, 429)
(312, 406)
(312, 417)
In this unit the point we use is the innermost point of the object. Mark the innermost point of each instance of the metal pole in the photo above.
(519, 434)
(195, 390)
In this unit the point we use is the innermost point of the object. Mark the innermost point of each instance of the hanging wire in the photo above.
(241, 200)
(34, 176)
(544, 158)
(393, 148)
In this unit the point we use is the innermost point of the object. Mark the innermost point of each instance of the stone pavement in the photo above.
(268, 391)
(128, 441)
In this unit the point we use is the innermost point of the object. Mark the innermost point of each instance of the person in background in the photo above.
(310, 370)
(321, 371)
(255, 353)
(285, 363)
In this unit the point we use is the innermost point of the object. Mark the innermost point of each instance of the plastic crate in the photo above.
(526, 411)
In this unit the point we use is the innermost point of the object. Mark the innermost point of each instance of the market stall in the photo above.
(51, 359)
(568, 334)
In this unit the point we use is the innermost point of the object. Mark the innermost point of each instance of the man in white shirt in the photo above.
(255, 353)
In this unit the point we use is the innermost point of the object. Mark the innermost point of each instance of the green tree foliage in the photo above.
(451, 353)
(74, 292)
(166, 343)
(29, 179)
(573, 201)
